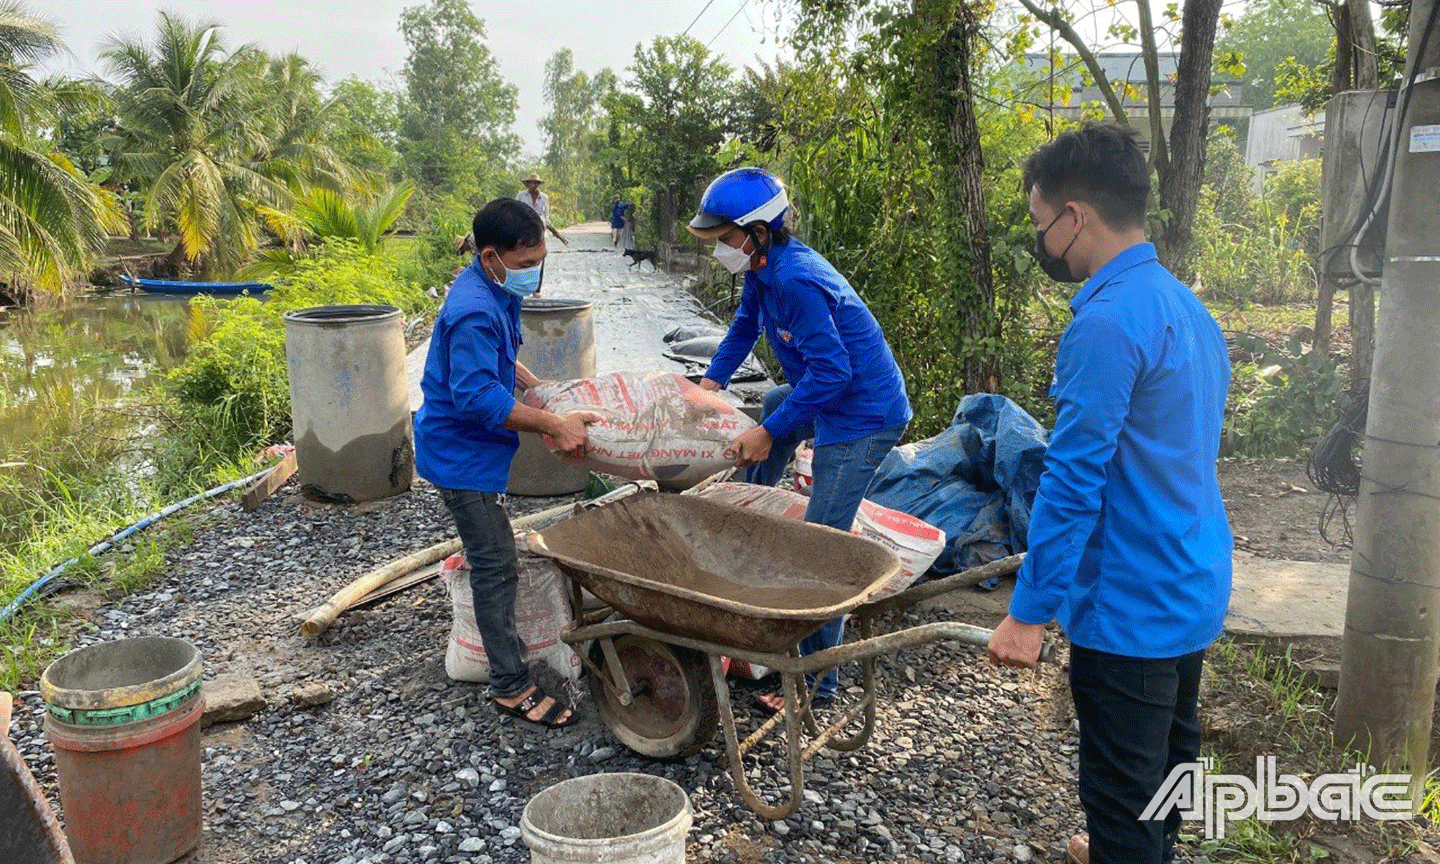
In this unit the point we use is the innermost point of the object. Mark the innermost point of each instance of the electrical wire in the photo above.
(707, 6)
(728, 23)
(1334, 465)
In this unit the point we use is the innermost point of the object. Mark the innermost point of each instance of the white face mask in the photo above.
(732, 258)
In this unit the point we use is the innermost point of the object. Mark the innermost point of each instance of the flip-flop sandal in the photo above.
(534, 700)
(1077, 851)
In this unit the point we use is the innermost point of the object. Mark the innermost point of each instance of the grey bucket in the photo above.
(350, 401)
(558, 345)
(611, 818)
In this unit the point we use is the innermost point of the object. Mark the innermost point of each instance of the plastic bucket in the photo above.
(124, 719)
(350, 401)
(611, 818)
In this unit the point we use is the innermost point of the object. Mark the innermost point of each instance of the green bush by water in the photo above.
(231, 392)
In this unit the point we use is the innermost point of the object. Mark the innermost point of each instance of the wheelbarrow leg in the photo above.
(867, 682)
(735, 754)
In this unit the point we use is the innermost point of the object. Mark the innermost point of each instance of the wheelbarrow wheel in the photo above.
(672, 712)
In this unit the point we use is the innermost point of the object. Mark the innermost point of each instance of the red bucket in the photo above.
(124, 719)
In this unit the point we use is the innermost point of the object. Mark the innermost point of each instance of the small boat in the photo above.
(171, 286)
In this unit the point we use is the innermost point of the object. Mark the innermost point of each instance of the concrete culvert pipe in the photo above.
(349, 401)
(611, 818)
(558, 344)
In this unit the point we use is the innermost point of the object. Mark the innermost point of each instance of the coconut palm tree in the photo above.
(322, 214)
(52, 220)
(301, 129)
(189, 134)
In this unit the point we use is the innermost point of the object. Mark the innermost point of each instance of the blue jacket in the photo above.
(1129, 544)
(828, 343)
(469, 386)
(617, 216)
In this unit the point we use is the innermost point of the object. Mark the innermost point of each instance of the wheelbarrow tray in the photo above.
(716, 572)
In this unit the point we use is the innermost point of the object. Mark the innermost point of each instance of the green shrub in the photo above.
(1281, 401)
(231, 391)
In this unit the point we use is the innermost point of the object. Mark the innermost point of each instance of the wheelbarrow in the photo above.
(694, 581)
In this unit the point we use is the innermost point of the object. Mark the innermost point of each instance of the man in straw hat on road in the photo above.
(539, 202)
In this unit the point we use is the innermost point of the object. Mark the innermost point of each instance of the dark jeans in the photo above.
(484, 529)
(842, 475)
(1139, 718)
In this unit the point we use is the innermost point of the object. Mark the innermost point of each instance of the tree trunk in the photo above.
(1159, 158)
(1342, 77)
(1180, 182)
(964, 188)
(1362, 44)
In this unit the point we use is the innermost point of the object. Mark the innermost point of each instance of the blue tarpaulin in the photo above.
(976, 480)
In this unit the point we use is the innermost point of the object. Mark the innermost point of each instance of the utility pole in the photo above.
(1392, 621)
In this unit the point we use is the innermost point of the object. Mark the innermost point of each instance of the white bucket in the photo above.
(610, 818)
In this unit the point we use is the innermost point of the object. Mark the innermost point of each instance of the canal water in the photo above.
(102, 348)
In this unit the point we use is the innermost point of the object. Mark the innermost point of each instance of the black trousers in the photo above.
(1139, 718)
(484, 529)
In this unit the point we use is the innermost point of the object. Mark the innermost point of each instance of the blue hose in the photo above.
(108, 544)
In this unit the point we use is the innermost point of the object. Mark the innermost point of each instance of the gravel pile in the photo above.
(366, 752)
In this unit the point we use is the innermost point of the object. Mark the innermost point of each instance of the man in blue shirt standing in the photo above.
(465, 433)
(1129, 543)
(846, 390)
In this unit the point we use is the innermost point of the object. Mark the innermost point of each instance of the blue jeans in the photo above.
(842, 475)
(489, 542)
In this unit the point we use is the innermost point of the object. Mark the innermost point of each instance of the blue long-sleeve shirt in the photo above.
(617, 216)
(828, 343)
(1129, 545)
(469, 386)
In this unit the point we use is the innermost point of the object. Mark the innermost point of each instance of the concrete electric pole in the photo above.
(1392, 622)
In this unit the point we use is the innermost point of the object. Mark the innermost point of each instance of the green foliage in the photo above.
(1312, 84)
(676, 117)
(1269, 33)
(1281, 401)
(367, 126)
(232, 388)
(322, 215)
(458, 110)
(1252, 248)
(52, 218)
(576, 138)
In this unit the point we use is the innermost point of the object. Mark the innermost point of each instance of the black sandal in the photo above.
(534, 700)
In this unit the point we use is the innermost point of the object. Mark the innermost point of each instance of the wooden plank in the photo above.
(266, 486)
(424, 574)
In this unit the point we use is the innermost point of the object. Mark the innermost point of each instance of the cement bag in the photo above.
(804, 469)
(657, 425)
(541, 612)
(916, 542)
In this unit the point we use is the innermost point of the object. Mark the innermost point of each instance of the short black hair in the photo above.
(507, 224)
(1100, 164)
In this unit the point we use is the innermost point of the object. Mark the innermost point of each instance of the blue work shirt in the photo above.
(1129, 544)
(469, 387)
(828, 343)
(617, 216)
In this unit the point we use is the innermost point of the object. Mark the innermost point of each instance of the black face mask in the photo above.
(1055, 266)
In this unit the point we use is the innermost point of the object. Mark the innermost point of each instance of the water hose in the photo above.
(109, 543)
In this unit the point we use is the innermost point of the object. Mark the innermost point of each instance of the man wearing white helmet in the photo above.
(845, 389)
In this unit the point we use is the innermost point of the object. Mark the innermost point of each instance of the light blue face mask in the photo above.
(522, 283)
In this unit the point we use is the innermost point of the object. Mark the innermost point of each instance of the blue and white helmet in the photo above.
(742, 196)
